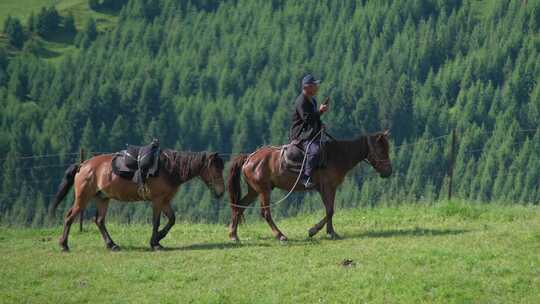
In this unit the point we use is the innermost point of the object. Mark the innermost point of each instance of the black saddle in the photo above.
(292, 156)
(137, 163)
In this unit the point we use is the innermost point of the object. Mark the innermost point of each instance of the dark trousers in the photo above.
(312, 160)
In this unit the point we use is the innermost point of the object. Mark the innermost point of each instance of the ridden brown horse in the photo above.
(94, 179)
(262, 173)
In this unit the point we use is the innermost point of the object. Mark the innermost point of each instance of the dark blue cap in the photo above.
(309, 79)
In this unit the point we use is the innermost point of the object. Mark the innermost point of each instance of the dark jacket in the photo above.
(306, 119)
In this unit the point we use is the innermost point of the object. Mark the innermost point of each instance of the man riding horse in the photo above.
(307, 125)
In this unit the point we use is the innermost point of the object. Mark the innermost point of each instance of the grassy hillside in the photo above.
(451, 253)
(23, 8)
(58, 45)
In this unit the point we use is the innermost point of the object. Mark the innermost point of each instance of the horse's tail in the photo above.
(65, 185)
(233, 182)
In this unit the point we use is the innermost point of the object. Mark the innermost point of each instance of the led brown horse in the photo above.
(262, 173)
(94, 180)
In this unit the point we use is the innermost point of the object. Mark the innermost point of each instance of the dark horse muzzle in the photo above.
(386, 172)
(383, 166)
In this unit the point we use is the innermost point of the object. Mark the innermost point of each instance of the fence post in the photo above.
(451, 160)
(81, 216)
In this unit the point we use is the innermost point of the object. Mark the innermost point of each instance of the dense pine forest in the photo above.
(223, 76)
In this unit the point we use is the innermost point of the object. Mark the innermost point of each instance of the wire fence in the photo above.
(39, 156)
(75, 157)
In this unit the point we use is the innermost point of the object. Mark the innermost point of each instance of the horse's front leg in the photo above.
(317, 227)
(156, 215)
(329, 197)
(169, 213)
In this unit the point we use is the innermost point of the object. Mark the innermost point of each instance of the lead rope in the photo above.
(270, 204)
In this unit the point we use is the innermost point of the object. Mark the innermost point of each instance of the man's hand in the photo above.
(324, 105)
(323, 108)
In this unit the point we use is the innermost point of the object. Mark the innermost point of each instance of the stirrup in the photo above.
(308, 184)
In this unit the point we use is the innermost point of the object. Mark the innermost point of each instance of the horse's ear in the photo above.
(214, 157)
(383, 134)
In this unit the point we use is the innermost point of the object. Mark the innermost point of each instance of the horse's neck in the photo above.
(189, 166)
(348, 153)
(190, 175)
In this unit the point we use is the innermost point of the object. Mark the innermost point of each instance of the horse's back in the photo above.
(98, 161)
(97, 167)
(262, 166)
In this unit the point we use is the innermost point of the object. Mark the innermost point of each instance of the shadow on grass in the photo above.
(207, 246)
(272, 241)
(416, 232)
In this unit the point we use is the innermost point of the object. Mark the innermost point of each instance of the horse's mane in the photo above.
(358, 138)
(181, 166)
(338, 146)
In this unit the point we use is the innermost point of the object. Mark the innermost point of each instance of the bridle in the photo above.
(211, 180)
(373, 159)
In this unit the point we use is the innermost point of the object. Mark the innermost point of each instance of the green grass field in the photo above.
(449, 253)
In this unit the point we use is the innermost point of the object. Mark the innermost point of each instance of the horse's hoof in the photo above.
(312, 232)
(114, 247)
(235, 240)
(157, 247)
(283, 239)
(63, 246)
(334, 236)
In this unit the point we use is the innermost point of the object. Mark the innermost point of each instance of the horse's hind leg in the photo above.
(73, 212)
(265, 212)
(238, 212)
(84, 191)
(101, 212)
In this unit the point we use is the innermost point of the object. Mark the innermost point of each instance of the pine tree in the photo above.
(102, 145)
(88, 35)
(14, 31)
(119, 133)
(47, 21)
(31, 22)
(88, 139)
(94, 4)
(69, 24)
